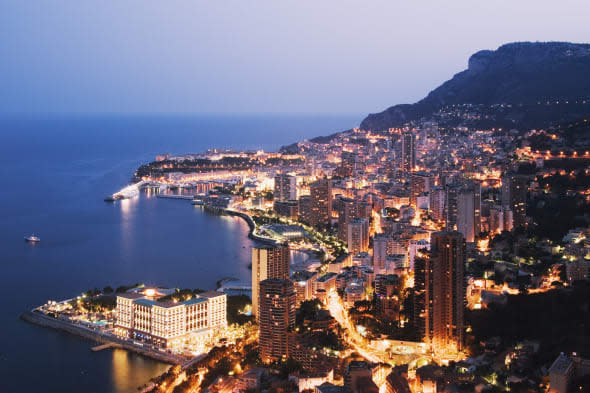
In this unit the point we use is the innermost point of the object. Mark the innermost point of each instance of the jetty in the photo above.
(105, 346)
(105, 339)
(171, 196)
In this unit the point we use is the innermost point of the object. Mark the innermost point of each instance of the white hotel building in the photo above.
(142, 317)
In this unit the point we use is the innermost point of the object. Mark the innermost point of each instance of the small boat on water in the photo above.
(32, 239)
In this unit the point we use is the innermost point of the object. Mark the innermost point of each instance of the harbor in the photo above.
(213, 204)
(131, 191)
(86, 242)
(161, 190)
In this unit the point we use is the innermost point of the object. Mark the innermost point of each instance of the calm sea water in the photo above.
(54, 174)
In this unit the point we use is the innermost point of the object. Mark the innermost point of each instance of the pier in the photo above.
(105, 346)
(38, 318)
(187, 197)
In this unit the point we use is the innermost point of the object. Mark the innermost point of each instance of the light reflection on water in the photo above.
(131, 371)
(56, 172)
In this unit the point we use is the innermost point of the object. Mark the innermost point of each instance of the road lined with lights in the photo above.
(352, 337)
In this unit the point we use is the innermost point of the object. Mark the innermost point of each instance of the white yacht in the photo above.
(32, 239)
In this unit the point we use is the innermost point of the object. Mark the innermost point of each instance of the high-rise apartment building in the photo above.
(451, 195)
(285, 188)
(514, 195)
(303, 283)
(267, 262)
(466, 215)
(408, 153)
(437, 203)
(276, 316)
(421, 308)
(476, 187)
(321, 202)
(500, 219)
(420, 182)
(287, 208)
(358, 235)
(380, 251)
(444, 284)
(305, 211)
(347, 211)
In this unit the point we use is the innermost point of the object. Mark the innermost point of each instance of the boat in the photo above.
(32, 239)
(110, 199)
(197, 202)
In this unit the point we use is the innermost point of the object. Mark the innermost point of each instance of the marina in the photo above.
(161, 190)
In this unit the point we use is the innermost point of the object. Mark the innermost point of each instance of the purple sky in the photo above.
(221, 56)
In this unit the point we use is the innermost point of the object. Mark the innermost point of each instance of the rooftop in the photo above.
(327, 387)
(130, 295)
(150, 298)
(562, 365)
(326, 277)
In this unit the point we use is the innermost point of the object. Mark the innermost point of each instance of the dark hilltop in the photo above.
(524, 75)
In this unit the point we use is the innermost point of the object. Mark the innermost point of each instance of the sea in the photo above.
(55, 171)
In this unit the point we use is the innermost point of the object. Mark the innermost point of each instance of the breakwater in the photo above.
(41, 319)
(172, 196)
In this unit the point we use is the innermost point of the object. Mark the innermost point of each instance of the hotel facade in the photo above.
(167, 324)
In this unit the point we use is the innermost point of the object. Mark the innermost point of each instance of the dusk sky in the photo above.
(254, 56)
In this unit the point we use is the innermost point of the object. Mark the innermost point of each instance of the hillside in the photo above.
(526, 75)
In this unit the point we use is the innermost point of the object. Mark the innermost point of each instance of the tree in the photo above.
(562, 273)
(235, 304)
(287, 367)
(308, 310)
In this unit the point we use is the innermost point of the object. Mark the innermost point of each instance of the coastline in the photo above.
(40, 319)
(37, 318)
(110, 163)
(245, 217)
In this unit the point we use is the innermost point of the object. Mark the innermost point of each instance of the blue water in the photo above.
(54, 174)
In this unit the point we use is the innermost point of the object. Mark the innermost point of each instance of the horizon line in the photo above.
(172, 113)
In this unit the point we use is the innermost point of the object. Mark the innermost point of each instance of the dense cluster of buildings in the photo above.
(401, 220)
(409, 206)
(397, 218)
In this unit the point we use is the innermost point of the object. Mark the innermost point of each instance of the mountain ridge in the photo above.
(521, 73)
